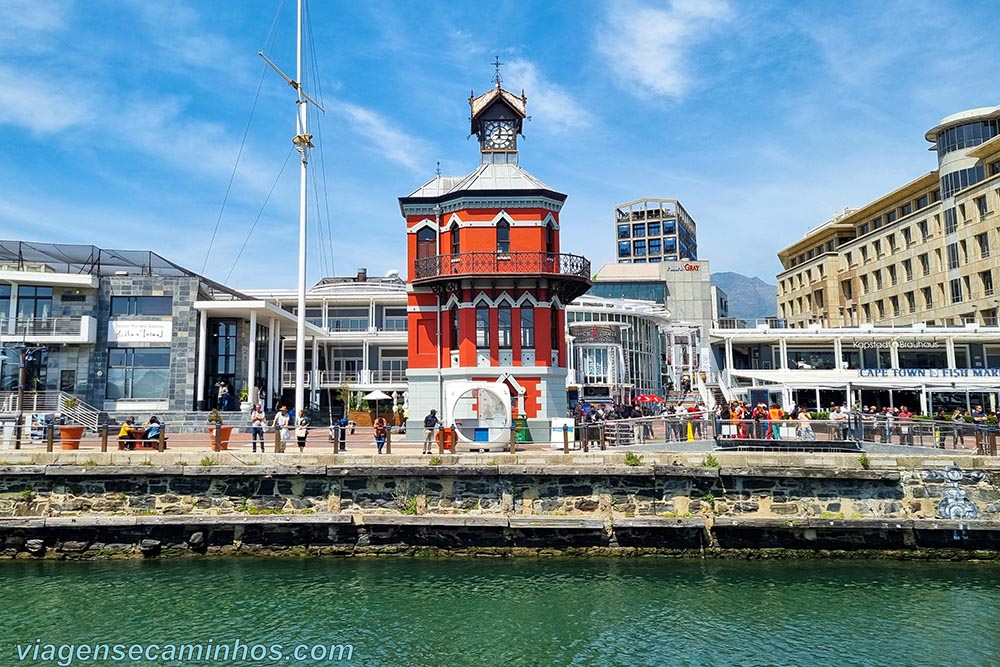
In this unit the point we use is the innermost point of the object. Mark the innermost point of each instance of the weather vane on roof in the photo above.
(497, 79)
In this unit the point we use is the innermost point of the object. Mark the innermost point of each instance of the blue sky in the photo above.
(121, 122)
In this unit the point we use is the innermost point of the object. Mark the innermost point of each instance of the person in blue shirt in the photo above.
(152, 427)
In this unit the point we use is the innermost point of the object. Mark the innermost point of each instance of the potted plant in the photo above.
(70, 433)
(215, 422)
(245, 400)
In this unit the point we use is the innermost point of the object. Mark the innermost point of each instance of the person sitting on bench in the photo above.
(126, 434)
(152, 435)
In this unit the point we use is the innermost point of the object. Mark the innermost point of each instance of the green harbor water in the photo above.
(403, 612)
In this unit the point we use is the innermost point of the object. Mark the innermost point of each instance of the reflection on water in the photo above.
(413, 612)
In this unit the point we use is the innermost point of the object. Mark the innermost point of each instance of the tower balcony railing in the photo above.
(503, 263)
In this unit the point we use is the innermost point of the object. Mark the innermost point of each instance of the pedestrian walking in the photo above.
(431, 422)
(280, 424)
(257, 428)
(301, 432)
(381, 430)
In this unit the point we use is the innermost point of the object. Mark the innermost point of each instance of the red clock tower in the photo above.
(488, 282)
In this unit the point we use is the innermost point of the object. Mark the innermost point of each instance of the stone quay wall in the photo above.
(924, 508)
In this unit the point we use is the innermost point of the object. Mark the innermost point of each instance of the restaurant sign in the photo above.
(929, 372)
(122, 331)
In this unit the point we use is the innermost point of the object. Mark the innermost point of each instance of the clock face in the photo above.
(498, 135)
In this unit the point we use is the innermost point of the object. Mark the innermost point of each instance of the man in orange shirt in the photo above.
(775, 415)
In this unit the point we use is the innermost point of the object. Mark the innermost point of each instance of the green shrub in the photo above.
(435, 461)
(864, 461)
(633, 459)
(710, 462)
(207, 461)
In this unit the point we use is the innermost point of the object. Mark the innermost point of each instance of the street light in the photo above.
(23, 354)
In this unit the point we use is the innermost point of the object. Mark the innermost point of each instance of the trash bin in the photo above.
(521, 430)
(444, 437)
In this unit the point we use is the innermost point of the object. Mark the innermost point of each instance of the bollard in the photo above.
(566, 439)
(440, 439)
(162, 444)
(513, 432)
(17, 430)
(104, 437)
(277, 441)
(217, 440)
(388, 441)
(50, 434)
(601, 436)
(585, 443)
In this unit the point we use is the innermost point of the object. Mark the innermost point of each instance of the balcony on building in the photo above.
(48, 330)
(570, 274)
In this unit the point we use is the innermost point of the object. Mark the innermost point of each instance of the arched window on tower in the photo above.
(454, 328)
(556, 329)
(527, 327)
(503, 237)
(482, 327)
(504, 325)
(426, 243)
(456, 244)
(550, 237)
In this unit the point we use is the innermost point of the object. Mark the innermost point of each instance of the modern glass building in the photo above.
(654, 230)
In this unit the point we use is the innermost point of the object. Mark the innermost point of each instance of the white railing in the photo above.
(31, 327)
(51, 402)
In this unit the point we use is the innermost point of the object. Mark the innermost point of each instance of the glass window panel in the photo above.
(152, 357)
(503, 237)
(504, 326)
(154, 305)
(482, 326)
(150, 383)
(115, 388)
(527, 327)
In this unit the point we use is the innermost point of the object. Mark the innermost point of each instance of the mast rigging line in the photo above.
(232, 177)
(260, 213)
(326, 251)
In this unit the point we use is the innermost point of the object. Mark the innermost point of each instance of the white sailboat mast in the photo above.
(303, 142)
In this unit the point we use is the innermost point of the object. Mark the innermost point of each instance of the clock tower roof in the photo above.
(497, 104)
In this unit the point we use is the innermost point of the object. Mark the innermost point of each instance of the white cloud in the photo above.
(43, 104)
(178, 31)
(548, 103)
(27, 24)
(650, 46)
(393, 144)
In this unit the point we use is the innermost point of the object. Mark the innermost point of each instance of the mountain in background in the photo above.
(749, 298)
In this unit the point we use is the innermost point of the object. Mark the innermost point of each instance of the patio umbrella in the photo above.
(648, 398)
(377, 396)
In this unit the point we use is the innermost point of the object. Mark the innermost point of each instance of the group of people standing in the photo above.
(763, 422)
(284, 423)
